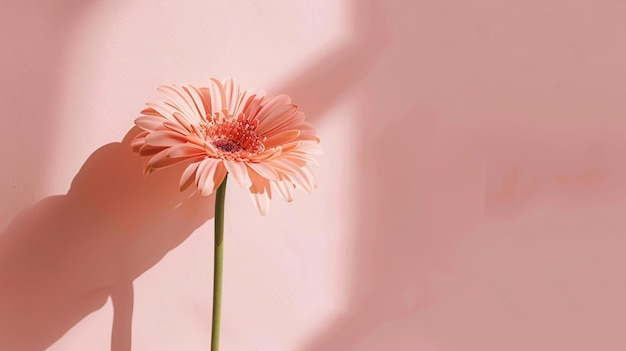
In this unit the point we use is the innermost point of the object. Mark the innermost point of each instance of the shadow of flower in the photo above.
(62, 258)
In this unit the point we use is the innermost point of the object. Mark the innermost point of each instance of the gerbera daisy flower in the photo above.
(263, 142)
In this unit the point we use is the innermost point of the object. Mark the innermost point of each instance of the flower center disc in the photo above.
(234, 138)
(226, 145)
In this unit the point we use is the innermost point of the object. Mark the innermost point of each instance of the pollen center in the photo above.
(226, 145)
(233, 138)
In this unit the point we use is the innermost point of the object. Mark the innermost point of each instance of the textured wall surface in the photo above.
(471, 196)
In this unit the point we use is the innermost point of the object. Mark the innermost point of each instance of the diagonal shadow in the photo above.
(61, 259)
(427, 177)
(396, 239)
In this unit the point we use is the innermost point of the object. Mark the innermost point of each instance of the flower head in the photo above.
(262, 141)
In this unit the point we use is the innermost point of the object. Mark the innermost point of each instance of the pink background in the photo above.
(471, 196)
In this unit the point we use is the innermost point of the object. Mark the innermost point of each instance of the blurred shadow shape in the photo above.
(435, 134)
(61, 259)
(324, 83)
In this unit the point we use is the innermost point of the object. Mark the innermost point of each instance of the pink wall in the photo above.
(471, 194)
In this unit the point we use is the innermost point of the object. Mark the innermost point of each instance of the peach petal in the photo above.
(210, 149)
(289, 147)
(285, 165)
(304, 149)
(253, 106)
(307, 133)
(312, 138)
(311, 147)
(209, 176)
(185, 150)
(267, 154)
(196, 100)
(300, 159)
(282, 138)
(201, 100)
(263, 170)
(218, 96)
(197, 131)
(231, 89)
(165, 138)
(149, 150)
(150, 112)
(175, 127)
(147, 170)
(239, 171)
(310, 176)
(303, 180)
(182, 120)
(277, 119)
(268, 105)
(261, 192)
(194, 139)
(261, 201)
(246, 98)
(163, 159)
(181, 100)
(188, 176)
(206, 96)
(138, 141)
(285, 189)
(163, 108)
(149, 123)
(294, 122)
(136, 145)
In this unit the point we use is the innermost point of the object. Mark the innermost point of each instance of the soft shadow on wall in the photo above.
(419, 181)
(61, 259)
(452, 98)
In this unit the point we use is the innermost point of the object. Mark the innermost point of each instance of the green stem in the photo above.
(218, 263)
